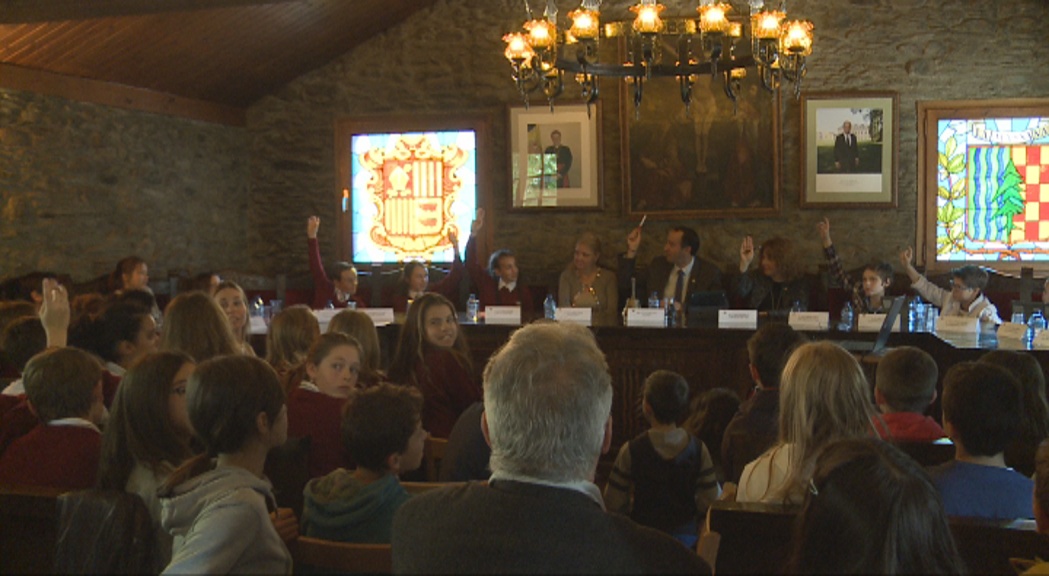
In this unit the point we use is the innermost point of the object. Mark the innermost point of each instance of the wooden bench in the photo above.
(28, 529)
(341, 557)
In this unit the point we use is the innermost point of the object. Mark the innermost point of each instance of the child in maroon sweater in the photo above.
(64, 388)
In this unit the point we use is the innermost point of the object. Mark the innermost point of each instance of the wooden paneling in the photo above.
(231, 55)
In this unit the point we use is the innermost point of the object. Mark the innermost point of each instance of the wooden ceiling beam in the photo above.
(34, 11)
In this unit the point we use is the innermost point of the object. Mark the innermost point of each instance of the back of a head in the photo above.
(769, 349)
(359, 325)
(120, 321)
(140, 428)
(291, 333)
(906, 378)
(1041, 483)
(194, 324)
(547, 396)
(13, 309)
(824, 397)
(224, 397)
(871, 509)
(1034, 425)
(982, 404)
(667, 395)
(380, 421)
(61, 383)
(20, 340)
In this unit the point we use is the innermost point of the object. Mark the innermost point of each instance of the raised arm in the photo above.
(746, 253)
(836, 269)
(54, 313)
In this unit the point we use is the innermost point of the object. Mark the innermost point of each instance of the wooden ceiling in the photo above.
(226, 53)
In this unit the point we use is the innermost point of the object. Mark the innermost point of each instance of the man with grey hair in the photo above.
(548, 401)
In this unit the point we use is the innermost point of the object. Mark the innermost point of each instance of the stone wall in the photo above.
(83, 185)
(449, 59)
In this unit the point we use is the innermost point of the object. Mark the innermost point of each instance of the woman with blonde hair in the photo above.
(194, 324)
(291, 334)
(823, 397)
(585, 284)
(778, 284)
(234, 303)
(360, 326)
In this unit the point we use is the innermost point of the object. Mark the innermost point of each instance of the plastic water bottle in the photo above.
(1035, 325)
(472, 306)
(653, 300)
(549, 307)
(846, 317)
(256, 306)
(671, 313)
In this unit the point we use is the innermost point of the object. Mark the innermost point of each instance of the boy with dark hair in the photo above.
(382, 430)
(64, 389)
(982, 406)
(904, 388)
(669, 472)
(755, 428)
(965, 298)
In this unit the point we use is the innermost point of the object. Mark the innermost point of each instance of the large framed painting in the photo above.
(849, 145)
(983, 184)
(555, 157)
(716, 159)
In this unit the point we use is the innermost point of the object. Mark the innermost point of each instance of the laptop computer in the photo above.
(883, 335)
(702, 307)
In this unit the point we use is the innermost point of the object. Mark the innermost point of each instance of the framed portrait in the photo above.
(716, 159)
(849, 145)
(555, 157)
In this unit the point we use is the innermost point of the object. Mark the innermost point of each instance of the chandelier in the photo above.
(542, 54)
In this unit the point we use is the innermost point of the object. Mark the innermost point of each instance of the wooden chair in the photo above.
(105, 532)
(342, 557)
(416, 488)
(928, 453)
(287, 467)
(755, 538)
(987, 547)
(433, 453)
(28, 529)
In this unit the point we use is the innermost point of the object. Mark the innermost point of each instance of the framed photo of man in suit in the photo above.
(555, 157)
(849, 143)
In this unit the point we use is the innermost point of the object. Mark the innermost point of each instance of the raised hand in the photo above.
(313, 224)
(453, 237)
(633, 241)
(478, 223)
(906, 256)
(746, 253)
(54, 312)
(823, 227)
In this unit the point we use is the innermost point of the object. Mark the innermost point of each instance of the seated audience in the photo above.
(904, 388)
(360, 326)
(131, 273)
(498, 284)
(194, 324)
(64, 388)
(824, 397)
(1041, 497)
(11, 310)
(965, 298)
(664, 478)
(148, 434)
(217, 505)
(433, 356)
(868, 294)
(207, 282)
(755, 428)
(415, 281)
(1034, 424)
(327, 377)
(548, 401)
(680, 264)
(20, 340)
(123, 333)
(338, 293)
(778, 285)
(383, 430)
(466, 455)
(870, 509)
(291, 333)
(234, 303)
(709, 417)
(585, 284)
(982, 407)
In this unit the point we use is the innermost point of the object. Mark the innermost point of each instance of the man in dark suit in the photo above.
(846, 151)
(548, 399)
(678, 273)
(563, 154)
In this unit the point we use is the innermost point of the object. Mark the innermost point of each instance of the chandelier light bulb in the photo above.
(648, 20)
(713, 18)
(796, 38)
(585, 24)
(541, 34)
(765, 25)
(517, 48)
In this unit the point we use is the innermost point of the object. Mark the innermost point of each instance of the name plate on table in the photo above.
(873, 322)
(958, 325)
(809, 320)
(257, 325)
(747, 319)
(1012, 331)
(505, 315)
(582, 316)
(646, 317)
(379, 316)
(1041, 341)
